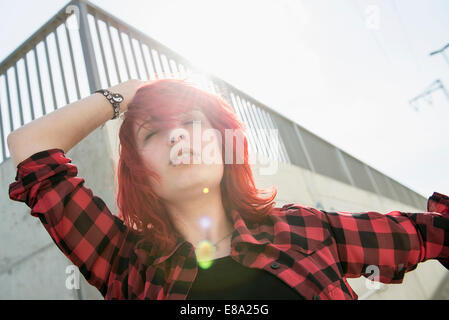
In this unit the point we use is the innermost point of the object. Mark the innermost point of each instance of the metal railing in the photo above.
(84, 48)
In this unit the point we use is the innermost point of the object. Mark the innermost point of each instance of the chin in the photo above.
(200, 177)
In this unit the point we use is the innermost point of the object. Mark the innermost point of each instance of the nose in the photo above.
(175, 138)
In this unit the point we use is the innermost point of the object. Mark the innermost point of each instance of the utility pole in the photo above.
(436, 85)
(442, 53)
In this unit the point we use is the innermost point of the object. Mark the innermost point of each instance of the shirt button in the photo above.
(275, 265)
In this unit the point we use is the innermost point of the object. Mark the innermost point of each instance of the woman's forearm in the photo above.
(66, 127)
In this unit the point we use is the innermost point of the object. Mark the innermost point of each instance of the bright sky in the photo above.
(345, 70)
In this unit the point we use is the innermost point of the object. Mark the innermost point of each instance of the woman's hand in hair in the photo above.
(127, 89)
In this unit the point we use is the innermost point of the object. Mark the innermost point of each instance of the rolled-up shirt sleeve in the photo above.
(79, 222)
(433, 227)
(392, 243)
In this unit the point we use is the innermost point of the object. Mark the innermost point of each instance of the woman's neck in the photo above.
(203, 219)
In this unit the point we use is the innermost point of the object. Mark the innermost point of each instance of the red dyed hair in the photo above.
(139, 205)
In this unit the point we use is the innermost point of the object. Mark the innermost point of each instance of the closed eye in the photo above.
(153, 133)
(191, 121)
(149, 136)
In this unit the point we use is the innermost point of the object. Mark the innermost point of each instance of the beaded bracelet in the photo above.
(114, 99)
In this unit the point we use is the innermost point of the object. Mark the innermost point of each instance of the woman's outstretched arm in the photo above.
(66, 127)
(390, 244)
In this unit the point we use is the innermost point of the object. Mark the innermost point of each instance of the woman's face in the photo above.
(184, 181)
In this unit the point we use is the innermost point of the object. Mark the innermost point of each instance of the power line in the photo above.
(407, 38)
(376, 39)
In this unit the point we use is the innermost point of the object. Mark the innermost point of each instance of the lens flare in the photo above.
(205, 253)
(205, 222)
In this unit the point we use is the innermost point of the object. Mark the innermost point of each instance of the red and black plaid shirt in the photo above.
(312, 251)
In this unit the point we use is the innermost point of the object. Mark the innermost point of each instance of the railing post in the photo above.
(223, 91)
(88, 47)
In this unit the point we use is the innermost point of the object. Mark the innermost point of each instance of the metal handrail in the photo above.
(253, 113)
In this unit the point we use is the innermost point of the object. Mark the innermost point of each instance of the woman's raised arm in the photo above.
(66, 127)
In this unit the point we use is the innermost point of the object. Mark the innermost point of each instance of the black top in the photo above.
(229, 280)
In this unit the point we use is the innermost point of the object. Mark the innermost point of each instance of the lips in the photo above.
(190, 153)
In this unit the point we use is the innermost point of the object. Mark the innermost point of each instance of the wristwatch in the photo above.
(114, 99)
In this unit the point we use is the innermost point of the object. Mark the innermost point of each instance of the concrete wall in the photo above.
(32, 267)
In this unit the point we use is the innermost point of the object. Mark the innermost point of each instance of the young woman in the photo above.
(201, 230)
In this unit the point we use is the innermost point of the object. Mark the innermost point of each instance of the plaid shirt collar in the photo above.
(241, 234)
